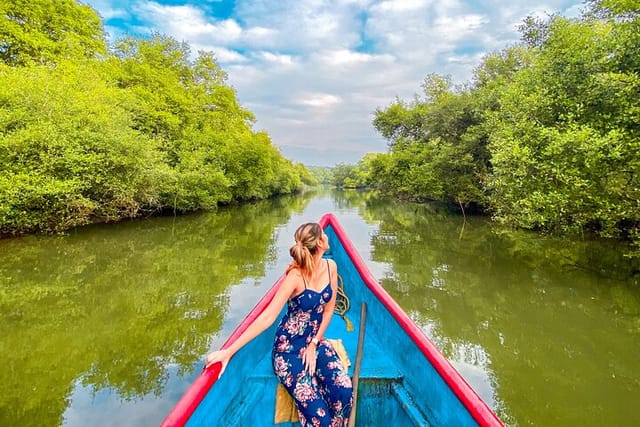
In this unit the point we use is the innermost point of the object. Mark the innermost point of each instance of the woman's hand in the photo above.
(309, 358)
(222, 356)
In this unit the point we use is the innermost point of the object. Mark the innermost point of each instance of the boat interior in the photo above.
(398, 386)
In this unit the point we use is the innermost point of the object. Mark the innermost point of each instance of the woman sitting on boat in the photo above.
(304, 362)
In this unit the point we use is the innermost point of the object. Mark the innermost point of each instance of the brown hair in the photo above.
(306, 236)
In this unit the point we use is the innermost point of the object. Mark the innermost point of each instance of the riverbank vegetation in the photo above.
(545, 136)
(91, 132)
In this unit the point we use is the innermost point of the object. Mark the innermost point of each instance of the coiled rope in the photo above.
(343, 304)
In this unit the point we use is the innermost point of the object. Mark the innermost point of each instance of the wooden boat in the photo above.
(404, 380)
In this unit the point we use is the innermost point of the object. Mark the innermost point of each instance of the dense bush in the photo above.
(545, 136)
(91, 135)
(67, 150)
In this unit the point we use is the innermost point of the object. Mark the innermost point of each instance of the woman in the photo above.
(304, 362)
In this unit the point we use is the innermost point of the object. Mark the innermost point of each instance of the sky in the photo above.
(314, 71)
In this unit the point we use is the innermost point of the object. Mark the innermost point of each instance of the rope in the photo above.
(343, 304)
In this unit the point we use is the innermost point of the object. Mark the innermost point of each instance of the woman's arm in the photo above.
(262, 322)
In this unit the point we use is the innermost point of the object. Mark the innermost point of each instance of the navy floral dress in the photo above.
(325, 397)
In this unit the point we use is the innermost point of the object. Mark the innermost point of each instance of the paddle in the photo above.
(356, 368)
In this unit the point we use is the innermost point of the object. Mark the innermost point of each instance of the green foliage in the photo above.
(206, 136)
(370, 166)
(67, 152)
(618, 9)
(399, 120)
(565, 143)
(545, 136)
(345, 176)
(306, 174)
(45, 31)
(321, 174)
(437, 149)
(143, 128)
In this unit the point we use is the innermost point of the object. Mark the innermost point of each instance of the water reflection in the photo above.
(108, 325)
(112, 308)
(552, 324)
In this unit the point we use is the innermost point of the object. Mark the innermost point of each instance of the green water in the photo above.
(108, 325)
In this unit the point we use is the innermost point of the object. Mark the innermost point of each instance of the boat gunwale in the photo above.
(191, 399)
(478, 409)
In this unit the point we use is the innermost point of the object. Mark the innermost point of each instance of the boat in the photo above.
(403, 379)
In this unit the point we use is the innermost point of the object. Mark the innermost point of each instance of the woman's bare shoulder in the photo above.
(292, 276)
(293, 272)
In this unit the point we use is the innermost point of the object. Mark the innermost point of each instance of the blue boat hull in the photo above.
(404, 380)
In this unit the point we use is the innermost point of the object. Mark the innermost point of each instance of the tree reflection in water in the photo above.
(114, 306)
(551, 323)
(546, 329)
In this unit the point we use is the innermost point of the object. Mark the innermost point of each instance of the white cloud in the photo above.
(188, 23)
(346, 58)
(303, 25)
(260, 36)
(313, 71)
(109, 10)
(277, 59)
(456, 27)
(322, 100)
(223, 55)
(402, 5)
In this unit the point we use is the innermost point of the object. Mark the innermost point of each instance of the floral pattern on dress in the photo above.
(283, 344)
(304, 391)
(297, 324)
(324, 398)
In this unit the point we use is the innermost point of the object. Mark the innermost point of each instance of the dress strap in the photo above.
(328, 270)
(304, 280)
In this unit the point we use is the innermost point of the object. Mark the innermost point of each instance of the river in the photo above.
(109, 324)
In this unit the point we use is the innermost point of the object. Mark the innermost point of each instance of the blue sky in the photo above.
(313, 72)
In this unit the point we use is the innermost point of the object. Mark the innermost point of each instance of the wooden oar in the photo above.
(356, 368)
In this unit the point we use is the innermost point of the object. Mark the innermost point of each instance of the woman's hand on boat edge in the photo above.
(222, 356)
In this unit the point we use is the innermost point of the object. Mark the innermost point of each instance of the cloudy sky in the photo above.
(314, 71)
